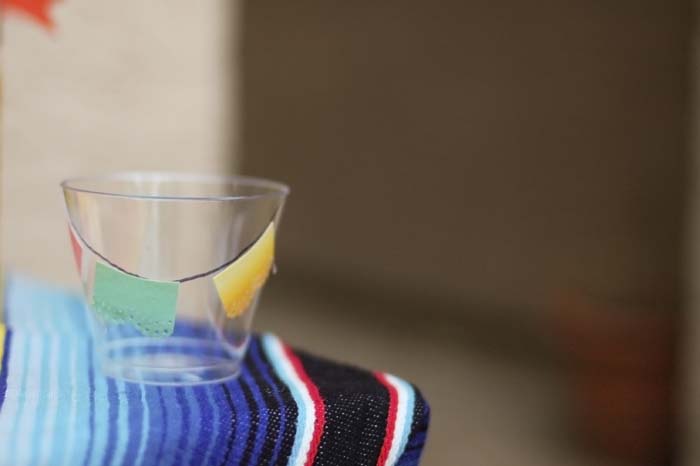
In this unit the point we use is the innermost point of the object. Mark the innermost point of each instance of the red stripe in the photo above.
(391, 418)
(319, 407)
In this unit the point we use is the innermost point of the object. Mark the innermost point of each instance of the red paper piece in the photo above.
(77, 250)
(38, 10)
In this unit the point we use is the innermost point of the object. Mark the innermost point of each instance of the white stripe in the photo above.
(8, 412)
(122, 424)
(52, 403)
(101, 411)
(410, 407)
(305, 404)
(82, 416)
(140, 457)
(401, 415)
(71, 423)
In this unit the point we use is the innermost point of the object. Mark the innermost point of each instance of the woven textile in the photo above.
(287, 407)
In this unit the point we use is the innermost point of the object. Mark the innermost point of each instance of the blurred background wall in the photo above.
(118, 85)
(691, 359)
(476, 179)
(479, 157)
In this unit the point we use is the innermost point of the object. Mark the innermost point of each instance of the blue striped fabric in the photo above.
(57, 409)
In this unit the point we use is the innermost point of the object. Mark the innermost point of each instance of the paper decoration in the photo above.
(77, 250)
(238, 283)
(149, 305)
(38, 10)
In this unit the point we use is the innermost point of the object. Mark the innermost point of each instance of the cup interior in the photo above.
(150, 245)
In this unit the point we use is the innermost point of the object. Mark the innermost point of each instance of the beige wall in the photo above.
(120, 85)
(489, 153)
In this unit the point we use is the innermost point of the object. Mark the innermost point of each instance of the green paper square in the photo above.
(150, 305)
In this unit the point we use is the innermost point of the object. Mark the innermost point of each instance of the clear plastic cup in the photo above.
(172, 266)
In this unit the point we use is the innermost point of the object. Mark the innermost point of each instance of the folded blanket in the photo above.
(287, 407)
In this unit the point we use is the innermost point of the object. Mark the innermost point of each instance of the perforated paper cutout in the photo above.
(149, 305)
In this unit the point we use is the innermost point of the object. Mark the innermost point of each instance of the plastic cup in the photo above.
(172, 266)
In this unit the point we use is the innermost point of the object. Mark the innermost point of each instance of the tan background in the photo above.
(119, 85)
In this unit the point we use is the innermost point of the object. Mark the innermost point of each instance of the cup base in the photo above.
(171, 361)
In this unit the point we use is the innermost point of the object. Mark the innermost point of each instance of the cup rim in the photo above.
(272, 188)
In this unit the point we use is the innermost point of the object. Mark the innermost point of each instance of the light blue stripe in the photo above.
(71, 310)
(101, 414)
(11, 408)
(36, 306)
(77, 416)
(28, 301)
(57, 371)
(174, 428)
(26, 415)
(87, 409)
(272, 347)
(59, 312)
(77, 310)
(195, 424)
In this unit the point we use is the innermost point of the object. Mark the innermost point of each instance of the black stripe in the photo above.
(254, 421)
(419, 431)
(292, 413)
(271, 405)
(232, 429)
(356, 407)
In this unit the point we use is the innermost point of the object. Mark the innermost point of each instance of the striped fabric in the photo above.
(286, 408)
